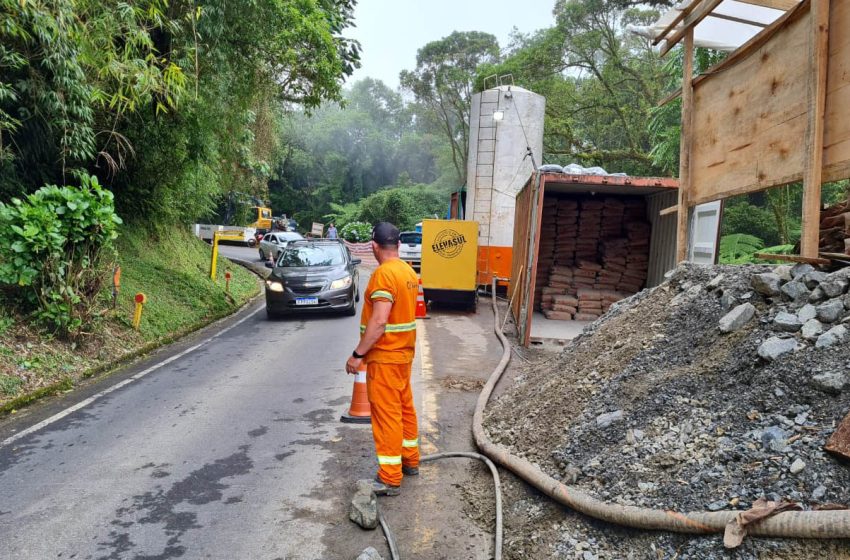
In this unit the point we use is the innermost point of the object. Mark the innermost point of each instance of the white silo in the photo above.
(505, 137)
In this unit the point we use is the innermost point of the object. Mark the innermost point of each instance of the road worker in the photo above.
(387, 341)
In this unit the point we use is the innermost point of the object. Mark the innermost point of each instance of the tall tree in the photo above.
(341, 154)
(170, 102)
(443, 85)
(600, 82)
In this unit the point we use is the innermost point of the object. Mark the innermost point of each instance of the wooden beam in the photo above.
(697, 15)
(669, 210)
(685, 144)
(679, 17)
(816, 105)
(794, 258)
(738, 20)
(775, 4)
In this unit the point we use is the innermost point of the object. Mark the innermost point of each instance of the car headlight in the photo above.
(274, 286)
(341, 283)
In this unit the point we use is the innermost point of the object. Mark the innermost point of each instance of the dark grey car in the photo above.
(313, 275)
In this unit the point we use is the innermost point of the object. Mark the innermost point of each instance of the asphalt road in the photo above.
(217, 454)
(240, 252)
(228, 446)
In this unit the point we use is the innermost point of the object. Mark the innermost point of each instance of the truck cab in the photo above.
(263, 217)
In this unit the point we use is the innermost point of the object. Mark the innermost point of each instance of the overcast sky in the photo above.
(391, 31)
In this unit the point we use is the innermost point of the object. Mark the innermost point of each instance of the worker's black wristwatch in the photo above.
(356, 355)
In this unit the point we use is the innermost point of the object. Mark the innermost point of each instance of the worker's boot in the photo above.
(381, 488)
(409, 471)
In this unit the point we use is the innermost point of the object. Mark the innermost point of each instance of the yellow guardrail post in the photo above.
(141, 299)
(214, 260)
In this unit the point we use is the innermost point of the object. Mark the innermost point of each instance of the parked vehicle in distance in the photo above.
(246, 235)
(410, 248)
(242, 235)
(273, 243)
(313, 275)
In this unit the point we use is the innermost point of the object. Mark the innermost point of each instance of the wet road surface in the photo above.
(218, 454)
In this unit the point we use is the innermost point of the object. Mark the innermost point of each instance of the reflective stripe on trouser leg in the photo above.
(383, 385)
(410, 441)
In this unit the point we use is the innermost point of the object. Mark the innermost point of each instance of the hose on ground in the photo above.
(497, 555)
(389, 536)
(790, 524)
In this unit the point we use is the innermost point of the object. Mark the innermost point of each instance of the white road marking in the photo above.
(85, 402)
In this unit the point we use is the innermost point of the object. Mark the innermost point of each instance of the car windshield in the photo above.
(312, 255)
(289, 236)
(411, 238)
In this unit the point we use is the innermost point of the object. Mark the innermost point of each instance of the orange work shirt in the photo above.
(396, 282)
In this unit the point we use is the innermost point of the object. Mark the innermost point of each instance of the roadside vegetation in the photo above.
(172, 270)
(120, 124)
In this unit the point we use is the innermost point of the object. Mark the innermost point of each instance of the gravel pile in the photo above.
(719, 387)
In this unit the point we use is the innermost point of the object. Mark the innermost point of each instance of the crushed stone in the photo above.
(719, 425)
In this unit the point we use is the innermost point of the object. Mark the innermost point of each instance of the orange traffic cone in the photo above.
(421, 310)
(359, 412)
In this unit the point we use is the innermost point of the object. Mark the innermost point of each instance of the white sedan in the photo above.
(273, 243)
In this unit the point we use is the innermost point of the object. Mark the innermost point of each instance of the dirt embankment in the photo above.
(657, 406)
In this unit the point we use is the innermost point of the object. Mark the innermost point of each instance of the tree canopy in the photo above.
(171, 103)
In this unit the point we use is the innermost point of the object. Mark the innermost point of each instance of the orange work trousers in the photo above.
(394, 425)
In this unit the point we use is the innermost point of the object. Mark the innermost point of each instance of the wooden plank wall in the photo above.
(750, 118)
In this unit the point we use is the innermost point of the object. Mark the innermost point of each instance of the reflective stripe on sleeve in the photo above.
(381, 294)
(389, 459)
(410, 442)
(401, 327)
(394, 327)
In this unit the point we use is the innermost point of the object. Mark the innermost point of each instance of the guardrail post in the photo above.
(214, 258)
(116, 285)
(140, 299)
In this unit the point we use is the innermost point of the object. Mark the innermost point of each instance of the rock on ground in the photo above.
(830, 311)
(370, 554)
(767, 284)
(787, 322)
(737, 318)
(364, 505)
(774, 347)
(832, 337)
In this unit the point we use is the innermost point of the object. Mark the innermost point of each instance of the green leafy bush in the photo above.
(56, 245)
(739, 248)
(356, 232)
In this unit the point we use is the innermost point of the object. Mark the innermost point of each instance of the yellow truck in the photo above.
(449, 261)
(263, 218)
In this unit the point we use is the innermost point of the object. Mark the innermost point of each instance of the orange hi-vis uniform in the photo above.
(388, 363)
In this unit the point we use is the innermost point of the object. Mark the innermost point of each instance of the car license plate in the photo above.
(307, 301)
